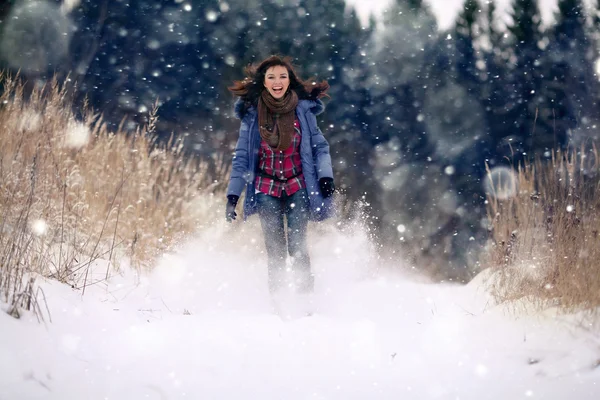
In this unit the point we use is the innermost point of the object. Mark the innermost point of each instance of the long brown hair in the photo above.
(252, 86)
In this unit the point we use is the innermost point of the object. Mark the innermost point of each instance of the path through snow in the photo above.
(201, 327)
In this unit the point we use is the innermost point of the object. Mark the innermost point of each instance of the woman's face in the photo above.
(277, 81)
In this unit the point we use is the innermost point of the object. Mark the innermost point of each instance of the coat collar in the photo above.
(240, 108)
(314, 106)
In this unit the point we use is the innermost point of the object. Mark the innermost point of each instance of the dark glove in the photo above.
(230, 213)
(327, 187)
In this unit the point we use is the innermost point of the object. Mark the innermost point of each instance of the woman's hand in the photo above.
(327, 187)
(230, 213)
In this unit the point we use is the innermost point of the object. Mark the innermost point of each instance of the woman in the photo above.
(283, 159)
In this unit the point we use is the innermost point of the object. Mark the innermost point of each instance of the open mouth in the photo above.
(277, 90)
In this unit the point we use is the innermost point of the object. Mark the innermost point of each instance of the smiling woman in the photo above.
(277, 81)
(283, 160)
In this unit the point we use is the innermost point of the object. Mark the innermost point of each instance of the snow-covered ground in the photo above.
(201, 326)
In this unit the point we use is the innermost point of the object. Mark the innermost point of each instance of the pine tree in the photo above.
(526, 76)
(496, 91)
(572, 60)
(129, 54)
(465, 34)
(398, 83)
(398, 77)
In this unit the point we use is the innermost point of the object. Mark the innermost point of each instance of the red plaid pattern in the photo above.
(285, 166)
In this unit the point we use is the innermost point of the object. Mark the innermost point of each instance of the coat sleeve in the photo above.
(320, 149)
(239, 164)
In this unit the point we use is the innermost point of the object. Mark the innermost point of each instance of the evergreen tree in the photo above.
(398, 83)
(526, 79)
(465, 34)
(471, 73)
(128, 54)
(596, 16)
(496, 90)
(572, 66)
(399, 75)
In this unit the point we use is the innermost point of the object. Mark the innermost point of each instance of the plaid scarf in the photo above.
(276, 119)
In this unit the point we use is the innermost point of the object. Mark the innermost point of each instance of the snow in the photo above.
(201, 326)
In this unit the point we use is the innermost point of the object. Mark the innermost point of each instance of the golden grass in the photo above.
(546, 247)
(72, 192)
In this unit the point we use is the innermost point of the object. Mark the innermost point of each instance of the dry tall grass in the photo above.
(72, 192)
(545, 238)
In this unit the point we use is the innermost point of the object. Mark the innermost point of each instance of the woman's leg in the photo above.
(270, 212)
(297, 212)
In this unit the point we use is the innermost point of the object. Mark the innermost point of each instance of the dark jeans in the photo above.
(295, 209)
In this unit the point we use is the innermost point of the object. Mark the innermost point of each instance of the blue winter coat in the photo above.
(314, 153)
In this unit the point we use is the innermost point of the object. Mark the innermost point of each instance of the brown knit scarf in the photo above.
(276, 119)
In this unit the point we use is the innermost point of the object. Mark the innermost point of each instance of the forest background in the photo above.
(418, 116)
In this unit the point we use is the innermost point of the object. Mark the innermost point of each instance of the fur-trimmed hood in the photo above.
(241, 108)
